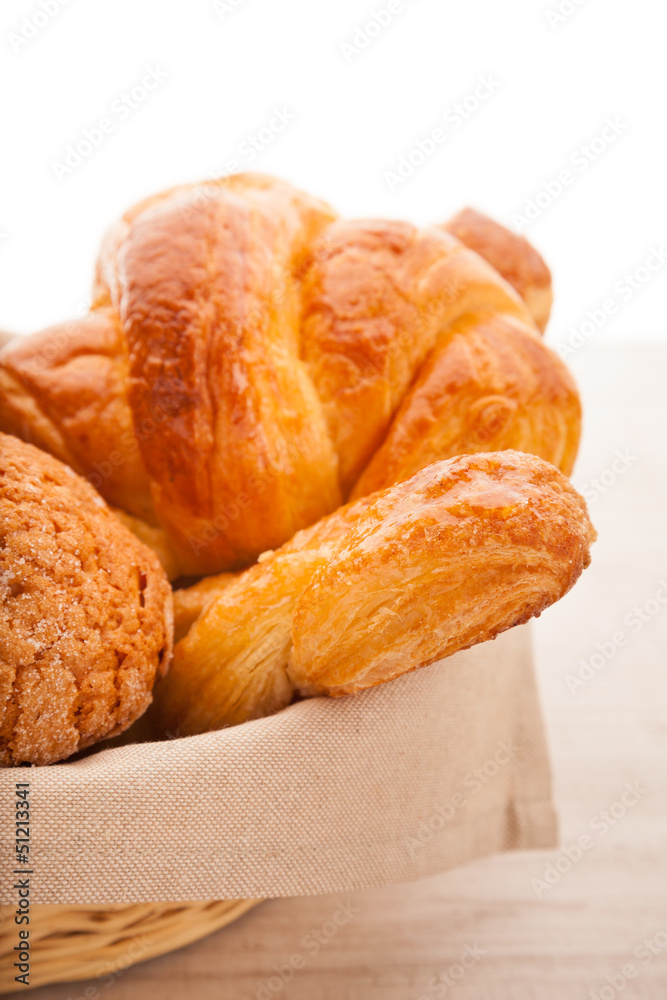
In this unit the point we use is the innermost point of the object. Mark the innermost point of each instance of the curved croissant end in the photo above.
(463, 550)
(512, 256)
(489, 384)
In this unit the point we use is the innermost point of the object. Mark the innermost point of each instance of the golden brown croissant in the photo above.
(85, 612)
(463, 550)
(250, 361)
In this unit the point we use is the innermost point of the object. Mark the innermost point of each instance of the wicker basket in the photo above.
(100, 942)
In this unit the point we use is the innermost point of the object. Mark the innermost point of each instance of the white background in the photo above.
(353, 120)
(356, 111)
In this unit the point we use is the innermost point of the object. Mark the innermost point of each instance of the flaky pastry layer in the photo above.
(461, 551)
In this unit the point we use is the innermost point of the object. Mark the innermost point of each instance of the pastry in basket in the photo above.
(85, 612)
(250, 362)
(461, 551)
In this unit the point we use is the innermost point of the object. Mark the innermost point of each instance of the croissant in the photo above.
(250, 362)
(85, 613)
(461, 551)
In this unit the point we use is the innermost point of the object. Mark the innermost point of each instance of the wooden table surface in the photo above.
(607, 915)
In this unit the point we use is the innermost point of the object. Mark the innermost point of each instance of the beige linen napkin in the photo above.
(441, 766)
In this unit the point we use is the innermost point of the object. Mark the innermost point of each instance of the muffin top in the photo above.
(85, 612)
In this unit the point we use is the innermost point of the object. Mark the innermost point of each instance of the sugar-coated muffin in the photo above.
(85, 612)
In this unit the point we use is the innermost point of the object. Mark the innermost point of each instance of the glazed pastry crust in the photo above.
(511, 255)
(85, 613)
(211, 324)
(376, 302)
(248, 356)
(64, 390)
(465, 550)
(191, 602)
(488, 385)
(460, 552)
